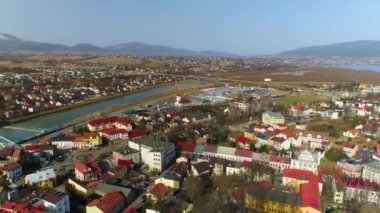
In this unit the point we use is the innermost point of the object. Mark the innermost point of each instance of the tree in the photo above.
(193, 187)
(335, 154)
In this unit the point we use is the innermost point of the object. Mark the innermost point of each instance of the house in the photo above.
(158, 192)
(157, 155)
(362, 190)
(169, 179)
(312, 136)
(371, 172)
(10, 153)
(51, 199)
(113, 122)
(365, 111)
(271, 118)
(11, 170)
(114, 134)
(351, 168)
(45, 178)
(352, 133)
(39, 148)
(279, 163)
(201, 168)
(243, 141)
(350, 149)
(78, 143)
(63, 142)
(185, 147)
(301, 110)
(113, 202)
(91, 140)
(87, 171)
(12, 207)
(127, 154)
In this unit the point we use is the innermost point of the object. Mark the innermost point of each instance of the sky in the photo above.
(244, 27)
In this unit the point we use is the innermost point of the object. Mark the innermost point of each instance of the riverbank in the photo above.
(149, 100)
(84, 103)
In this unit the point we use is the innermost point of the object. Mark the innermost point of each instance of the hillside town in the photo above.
(243, 149)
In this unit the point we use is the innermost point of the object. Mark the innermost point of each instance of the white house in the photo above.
(307, 161)
(63, 142)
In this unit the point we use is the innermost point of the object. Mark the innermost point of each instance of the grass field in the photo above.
(113, 61)
(289, 100)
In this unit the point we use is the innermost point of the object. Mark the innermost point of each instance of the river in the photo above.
(26, 129)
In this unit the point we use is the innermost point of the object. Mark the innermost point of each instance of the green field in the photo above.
(289, 100)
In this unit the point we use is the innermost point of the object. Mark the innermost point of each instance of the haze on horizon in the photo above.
(241, 27)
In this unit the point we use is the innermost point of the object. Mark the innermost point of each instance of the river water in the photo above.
(29, 128)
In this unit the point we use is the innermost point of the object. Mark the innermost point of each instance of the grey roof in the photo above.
(103, 188)
(41, 176)
(373, 165)
(226, 150)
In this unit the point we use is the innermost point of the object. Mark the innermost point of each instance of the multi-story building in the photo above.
(362, 191)
(307, 161)
(371, 172)
(279, 163)
(127, 154)
(51, 199)
(87, 171)
(351, 168)
(271, 118)
(154, 153)
(91, 140)
(113, 122)
(46, 178)
(11, 170)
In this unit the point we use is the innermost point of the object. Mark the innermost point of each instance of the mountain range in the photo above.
(10, 43)
(353, 49)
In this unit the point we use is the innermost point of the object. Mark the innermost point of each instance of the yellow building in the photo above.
(363, 86)
(260, 199)
(91, 139)
(250, 135)
(169, 180)
(42, 179)
(82, 188)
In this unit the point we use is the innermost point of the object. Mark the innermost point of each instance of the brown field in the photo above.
(310, 75)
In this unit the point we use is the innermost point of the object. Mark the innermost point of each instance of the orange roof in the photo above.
(160, 190)
(108, 202)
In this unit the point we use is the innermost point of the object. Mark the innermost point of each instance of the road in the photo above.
(139, 201)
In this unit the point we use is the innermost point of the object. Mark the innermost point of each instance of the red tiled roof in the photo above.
(108, 202)
(243, 153)
(173, 114)
(310, 197)
(242, 139)
(186, 146)
(160, 190)
(10, 166)
(125, 163)
(137, 133)
(279, 159)
(91, 166)
(246, 164)
(301, 174)
(107, 120)
(113, 131)
(9, 206)
(37, 147)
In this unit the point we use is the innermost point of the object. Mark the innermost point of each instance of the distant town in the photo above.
(216, 144)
